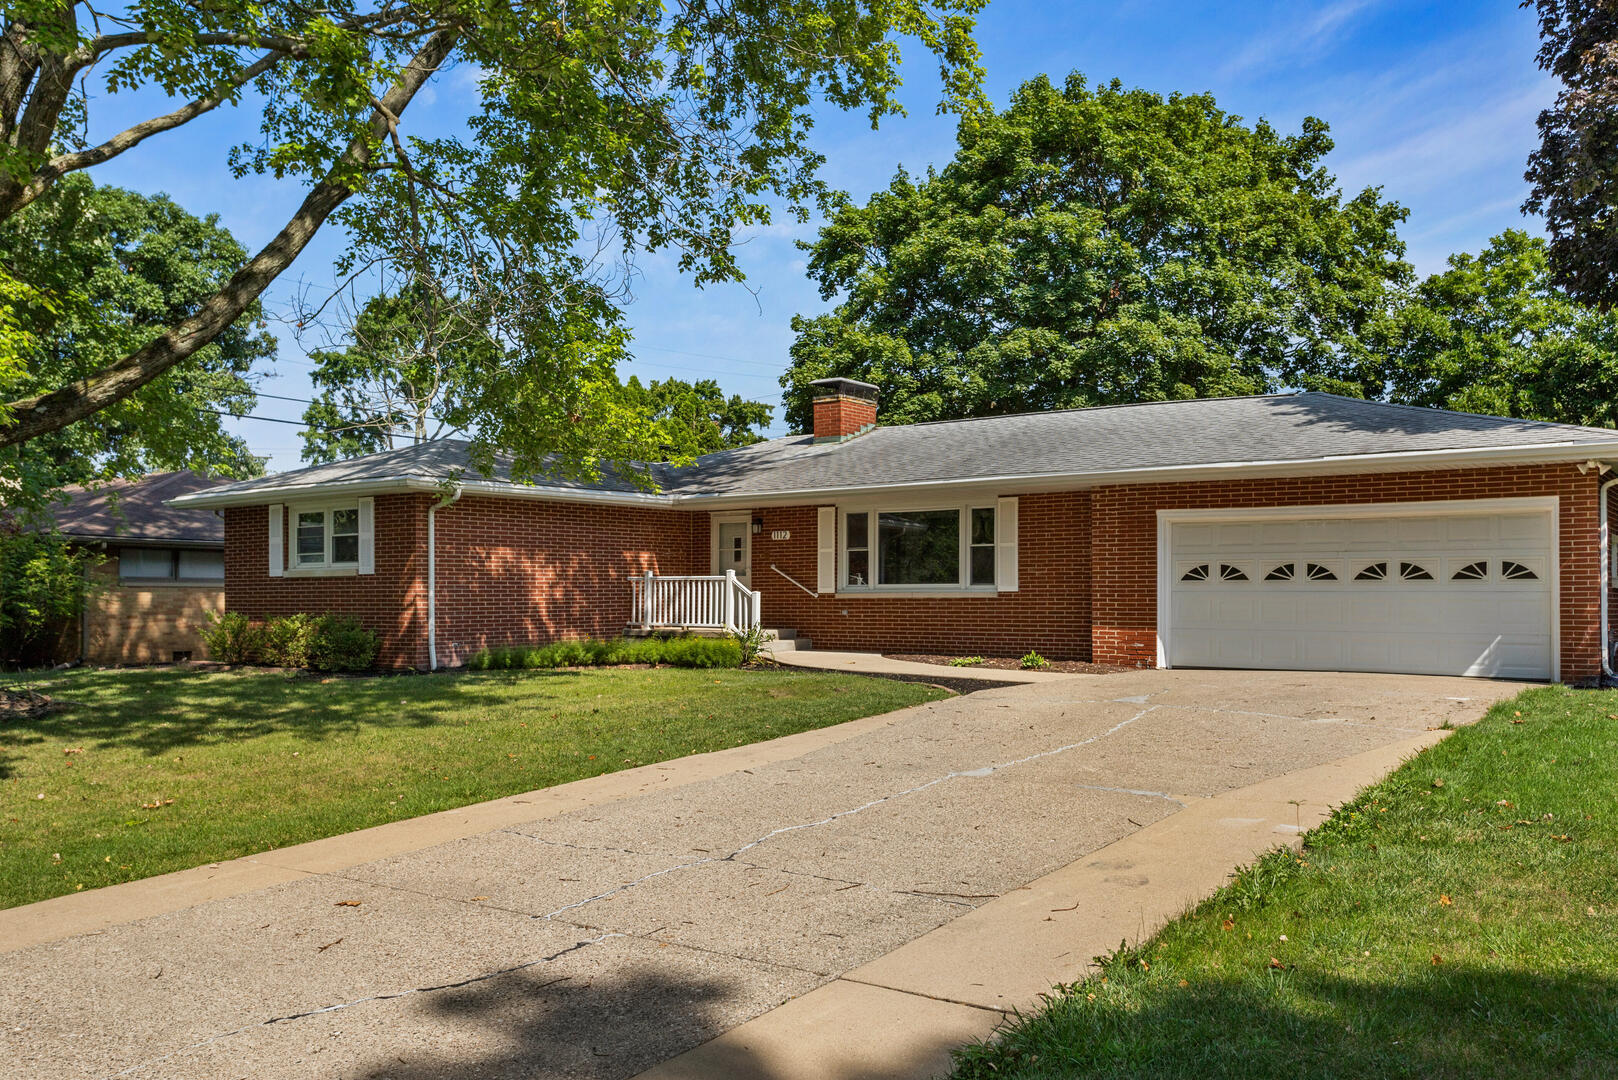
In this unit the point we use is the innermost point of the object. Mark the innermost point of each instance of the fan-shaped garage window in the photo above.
(1472, 571)
(1414, 572)
(1516, 571)
(1228, 572)
(1196, 573)
(1377, 571)
(1316, 572)
(1284, 572)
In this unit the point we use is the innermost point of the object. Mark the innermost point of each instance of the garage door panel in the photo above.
(1480, 623)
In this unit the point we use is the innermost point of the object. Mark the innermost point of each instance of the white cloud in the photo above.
(1298, 39)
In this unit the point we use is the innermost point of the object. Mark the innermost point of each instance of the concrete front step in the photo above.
(787, 641)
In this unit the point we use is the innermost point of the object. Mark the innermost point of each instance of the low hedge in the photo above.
(318, 642)
(688, 652)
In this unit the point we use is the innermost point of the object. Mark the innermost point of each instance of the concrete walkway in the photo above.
(852, 904)
(867, 663)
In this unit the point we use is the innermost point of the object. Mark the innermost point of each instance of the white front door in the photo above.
(1441, 593)
(736, 550)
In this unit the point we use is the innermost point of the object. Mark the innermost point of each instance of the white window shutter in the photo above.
(1005, 545)
(277, 513)
(367, 536)
(826, 552)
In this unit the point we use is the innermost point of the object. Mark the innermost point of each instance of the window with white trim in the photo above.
(326, 537)
(942, 548)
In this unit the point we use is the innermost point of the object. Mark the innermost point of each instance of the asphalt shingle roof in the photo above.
(1293, 428)
(138, 511)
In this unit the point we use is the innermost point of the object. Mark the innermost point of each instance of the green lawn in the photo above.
(147, 771)
(1459, 919)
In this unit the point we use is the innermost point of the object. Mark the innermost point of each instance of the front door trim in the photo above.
(737, 517)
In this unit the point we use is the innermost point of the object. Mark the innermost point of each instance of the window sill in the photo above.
(172, 583)
(322, 571)
(920, 592)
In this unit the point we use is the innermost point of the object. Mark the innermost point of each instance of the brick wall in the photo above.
(519, 571)
(1124, 542)
(392, 601)
(140, 624)
(1049, 613)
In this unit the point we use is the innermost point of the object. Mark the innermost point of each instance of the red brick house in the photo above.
(1303, 531)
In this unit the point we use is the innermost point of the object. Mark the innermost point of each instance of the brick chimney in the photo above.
(844, 408)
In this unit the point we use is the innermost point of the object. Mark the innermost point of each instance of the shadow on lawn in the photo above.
(1447, 1022)
(157, 711)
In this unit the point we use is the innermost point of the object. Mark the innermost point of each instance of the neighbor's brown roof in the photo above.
(136, 510)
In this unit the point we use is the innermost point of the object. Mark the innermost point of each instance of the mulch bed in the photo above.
(17, 703)
(1012, 663)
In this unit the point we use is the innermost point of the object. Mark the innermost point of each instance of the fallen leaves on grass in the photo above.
(156, 804)
(1443, 898)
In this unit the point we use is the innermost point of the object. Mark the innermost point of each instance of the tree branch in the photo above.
(15, 199)
(42, 414)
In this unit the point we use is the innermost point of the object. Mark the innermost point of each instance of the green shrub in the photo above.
(232, 638)
(285, 642)
(1033, 661)
(688, 652)
(320, 642)
(966, 661)
(341, 643)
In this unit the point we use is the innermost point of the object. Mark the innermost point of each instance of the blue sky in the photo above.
(1433, 101)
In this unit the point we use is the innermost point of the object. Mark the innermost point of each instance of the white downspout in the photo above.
(432, 576)
(1606, 576)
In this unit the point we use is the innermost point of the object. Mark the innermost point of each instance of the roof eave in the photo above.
(1406, 461)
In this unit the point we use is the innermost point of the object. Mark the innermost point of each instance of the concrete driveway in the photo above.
(619, 922)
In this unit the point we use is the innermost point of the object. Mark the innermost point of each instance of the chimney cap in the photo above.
(825, 388)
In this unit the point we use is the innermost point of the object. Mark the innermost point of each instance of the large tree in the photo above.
(108, 270)
(408, 360)
(625, 124)
(1494, 334)
(1574, 173)
(1098, 246)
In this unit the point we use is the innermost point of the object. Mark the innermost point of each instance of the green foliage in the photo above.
(687, 652)
(1574, 170)
(108, 270)
(410, 358)
(590, 133)
(231, 638)
(1102, 246)
(1032, 661)
(42, 589)
(967, 661)
(318, 642)
(753, 642)
(1494, 334)
(698, 417)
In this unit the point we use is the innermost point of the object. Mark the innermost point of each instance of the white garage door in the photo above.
(1441, 594)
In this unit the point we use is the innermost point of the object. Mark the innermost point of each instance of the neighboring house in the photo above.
(1303, 531)
(163, 571)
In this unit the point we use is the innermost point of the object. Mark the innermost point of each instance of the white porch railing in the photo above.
(693, 602)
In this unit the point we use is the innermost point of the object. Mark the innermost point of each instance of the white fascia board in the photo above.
(1008, 484)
